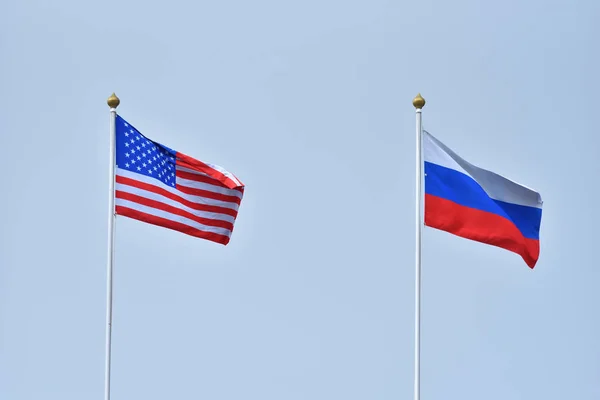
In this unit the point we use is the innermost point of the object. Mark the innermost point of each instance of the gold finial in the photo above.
(113, 101)
(419, 102)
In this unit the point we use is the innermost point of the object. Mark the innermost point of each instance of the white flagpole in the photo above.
(418, 103)
(113, 102)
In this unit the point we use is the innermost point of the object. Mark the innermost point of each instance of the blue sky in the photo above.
(309, 104)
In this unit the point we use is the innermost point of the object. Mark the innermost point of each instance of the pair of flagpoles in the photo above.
(113, 102)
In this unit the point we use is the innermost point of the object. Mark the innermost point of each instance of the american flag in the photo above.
(164, 187)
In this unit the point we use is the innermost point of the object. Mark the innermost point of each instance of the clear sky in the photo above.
(309, 104)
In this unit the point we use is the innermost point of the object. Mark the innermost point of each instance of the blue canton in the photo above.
(136, 153)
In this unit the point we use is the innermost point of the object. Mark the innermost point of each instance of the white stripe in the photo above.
(165, 200)
(207, 186)
(172, 217)
(191, 171)
(192, 198)
(216, 168)
(435, 154)
(225, 172)
(496, 186)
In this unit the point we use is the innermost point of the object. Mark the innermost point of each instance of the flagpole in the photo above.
(113, 102)
(418, 103)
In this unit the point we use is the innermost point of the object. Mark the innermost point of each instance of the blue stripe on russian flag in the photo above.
(455, 186)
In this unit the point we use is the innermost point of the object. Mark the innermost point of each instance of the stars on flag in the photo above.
(138, 154)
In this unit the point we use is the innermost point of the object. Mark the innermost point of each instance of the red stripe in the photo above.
(173, 210)
(481, 226)
(208, 194)
(176, 226)
(155, 189)
(196, 165)
(204, 179)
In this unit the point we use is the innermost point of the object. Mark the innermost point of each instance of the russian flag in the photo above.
(480, 205)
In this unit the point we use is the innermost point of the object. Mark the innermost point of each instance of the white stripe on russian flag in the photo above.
(496, 186)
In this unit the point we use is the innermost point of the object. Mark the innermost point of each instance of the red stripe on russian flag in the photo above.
(480, 226)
